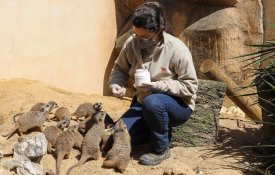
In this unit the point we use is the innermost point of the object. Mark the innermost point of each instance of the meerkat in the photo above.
(29, 120)
(92, 139)
(119, 155)
(86, 124)
(61, 113)
(64, 123)
(87, 109)
(39, 106)
(42, 107)
(64, 143)
(77, 136)
(107, 141)
(50, 105)
(52, 132)
(78, 140)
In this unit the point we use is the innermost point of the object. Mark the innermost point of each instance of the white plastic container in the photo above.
(142, 76)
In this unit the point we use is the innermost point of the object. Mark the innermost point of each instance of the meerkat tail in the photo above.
(82, 160)
(109, 164)
(59, 158)
(8, 135)
(14, 117)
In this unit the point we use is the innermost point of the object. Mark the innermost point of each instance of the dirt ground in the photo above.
(223, 158)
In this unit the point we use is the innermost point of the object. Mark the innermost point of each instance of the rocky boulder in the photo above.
(23, 166)
(32, 147)
(221, 33)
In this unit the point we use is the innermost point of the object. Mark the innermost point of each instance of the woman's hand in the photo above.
(145, 89)
(148, 86)
(117, 90)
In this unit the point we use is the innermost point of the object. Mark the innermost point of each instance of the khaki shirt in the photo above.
(171, 67)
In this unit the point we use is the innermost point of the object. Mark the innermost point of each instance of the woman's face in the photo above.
(145, 37)
(142, 33)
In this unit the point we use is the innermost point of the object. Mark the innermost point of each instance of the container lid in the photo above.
(141, 70)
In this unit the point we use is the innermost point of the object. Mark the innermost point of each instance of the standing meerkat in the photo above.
(107, 141)
(119, 155)
(28, 120)
(64, 143)
(87, 109)
(77, 136)
(86, 124)
(78, 140)
(52, 133)
(61, 113)
(92, 139)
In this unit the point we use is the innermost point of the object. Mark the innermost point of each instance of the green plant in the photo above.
(264, 76)
(264, 81)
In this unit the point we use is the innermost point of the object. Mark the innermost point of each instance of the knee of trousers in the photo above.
(153, 103)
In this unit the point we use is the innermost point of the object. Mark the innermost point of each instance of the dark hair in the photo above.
(150, 16)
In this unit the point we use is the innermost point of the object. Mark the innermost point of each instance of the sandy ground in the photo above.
(17, 95)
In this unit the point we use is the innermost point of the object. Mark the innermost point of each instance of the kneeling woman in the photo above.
(169, 99)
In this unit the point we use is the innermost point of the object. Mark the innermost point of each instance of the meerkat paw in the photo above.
(122, 166)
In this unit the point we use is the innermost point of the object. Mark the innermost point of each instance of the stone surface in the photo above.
(23, 166)
(124, 9)
(269, 19)
(216, 32)
(202, 127)
(32, 147)
(221, 33)
(218, 2)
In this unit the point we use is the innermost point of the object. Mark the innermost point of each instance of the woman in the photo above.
(169, 99)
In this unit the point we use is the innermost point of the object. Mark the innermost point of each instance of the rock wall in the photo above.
(211, 29)
(218, 2)
(220, 33)
(268, 21)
